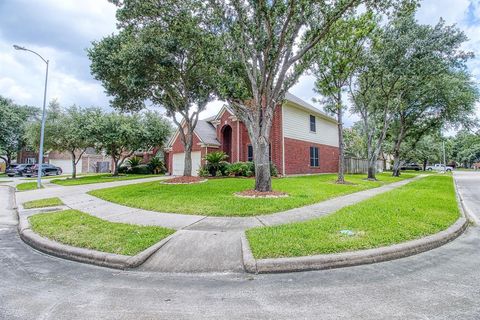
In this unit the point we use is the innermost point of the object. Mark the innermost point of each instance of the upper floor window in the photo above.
(313, 124)
(314, 158)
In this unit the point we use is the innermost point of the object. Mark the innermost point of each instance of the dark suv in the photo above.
(47, 170)
(18, 170)
(411, 166)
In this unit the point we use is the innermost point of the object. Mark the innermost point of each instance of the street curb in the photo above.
(350, 259)
(98, 258)
(463, 207)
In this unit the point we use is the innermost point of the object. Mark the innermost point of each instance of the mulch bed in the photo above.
(185, 180)
(257, 194)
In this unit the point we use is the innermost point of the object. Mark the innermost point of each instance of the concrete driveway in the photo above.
(440, 284)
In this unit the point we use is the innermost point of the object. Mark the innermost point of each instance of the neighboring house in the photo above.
(303, 140)
(90, 162)
(476, 166)
(147, 155)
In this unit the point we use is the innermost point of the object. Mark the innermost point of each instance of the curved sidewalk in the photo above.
(201, 244)
(76, 197)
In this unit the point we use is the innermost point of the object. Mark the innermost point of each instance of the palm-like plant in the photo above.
(216, 161)
(156, 165)
(134, 162)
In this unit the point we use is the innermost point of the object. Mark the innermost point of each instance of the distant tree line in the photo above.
(75, 129)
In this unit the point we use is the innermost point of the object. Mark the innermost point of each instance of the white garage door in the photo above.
(179, 162)
(66, 165)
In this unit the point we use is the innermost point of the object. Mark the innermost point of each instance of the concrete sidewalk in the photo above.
(202, 244)
(55, 190)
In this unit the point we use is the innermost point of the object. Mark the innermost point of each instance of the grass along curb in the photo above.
(350, 259)
(43, 203)
(27, 186)
(300, 262)
(85, 255)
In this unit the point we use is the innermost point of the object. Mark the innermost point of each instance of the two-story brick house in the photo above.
(303, 140)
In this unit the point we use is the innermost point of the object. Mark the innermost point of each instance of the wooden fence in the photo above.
(354, 165)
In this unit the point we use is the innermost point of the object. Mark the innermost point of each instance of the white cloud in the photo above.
(451, 11)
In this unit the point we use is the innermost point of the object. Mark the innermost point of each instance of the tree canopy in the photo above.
(165, 53)
(13, 122)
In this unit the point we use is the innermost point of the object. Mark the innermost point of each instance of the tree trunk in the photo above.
(372, 168)
(74, 165)
(341, 147)
(263, 179)
(396, 164)
(187, 139)
(425, 162)
(187, 169)
(115, 167)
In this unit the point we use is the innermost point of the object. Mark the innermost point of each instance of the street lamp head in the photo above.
(18, 47)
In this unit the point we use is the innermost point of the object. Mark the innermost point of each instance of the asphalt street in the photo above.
(440, 284)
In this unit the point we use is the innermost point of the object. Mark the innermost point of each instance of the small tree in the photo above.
(334, 63)
(65, 131)
(435, 91)
(386, 66)
(13, 122)
(120, 135)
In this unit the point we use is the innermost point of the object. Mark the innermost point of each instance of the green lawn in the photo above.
(421, 208)
(216, 196)
(42, 203)
(99, 178)
(79, 229)
(26, 186)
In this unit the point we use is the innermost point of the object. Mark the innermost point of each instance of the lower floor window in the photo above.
(250, 152)
(314, 160)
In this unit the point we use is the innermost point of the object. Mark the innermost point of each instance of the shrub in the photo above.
(156, 166)
(134, 162)
(140, 169)
(123, 169)
(239, 169)
(203, 172)
(273, 169)
(216, 161)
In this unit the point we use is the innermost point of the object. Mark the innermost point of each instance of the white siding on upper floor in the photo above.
(296, 125)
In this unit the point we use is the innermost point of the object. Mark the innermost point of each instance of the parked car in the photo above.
(47, 170)
(439, 167)
(18, 169)
(411, 166)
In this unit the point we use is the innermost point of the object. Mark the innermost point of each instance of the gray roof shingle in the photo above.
(206, 132)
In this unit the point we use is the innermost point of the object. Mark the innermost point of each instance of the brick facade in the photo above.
(241, 140)
(297, 157)
(297, 152)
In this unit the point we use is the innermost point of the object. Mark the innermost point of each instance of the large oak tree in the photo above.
(264, 57)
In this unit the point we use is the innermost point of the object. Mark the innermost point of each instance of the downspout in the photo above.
(238, 140)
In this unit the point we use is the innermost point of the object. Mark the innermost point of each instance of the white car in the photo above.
(440, 167)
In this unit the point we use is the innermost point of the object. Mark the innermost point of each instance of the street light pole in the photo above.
(42, 130)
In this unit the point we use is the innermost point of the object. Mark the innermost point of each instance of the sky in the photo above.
(62, 30)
